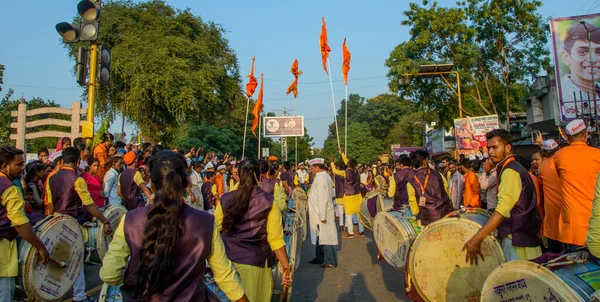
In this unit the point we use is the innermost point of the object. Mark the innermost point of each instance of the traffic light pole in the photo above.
(92, 84)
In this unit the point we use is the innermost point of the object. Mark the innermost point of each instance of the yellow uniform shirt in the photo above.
(593, 235)
(509, 191)
(137, 179)
(118, 254)
(233, 185)
(81, 189)
(12, 201)
(280, 197)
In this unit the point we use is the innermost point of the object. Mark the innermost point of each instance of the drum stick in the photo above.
(283, 294)
(60, 264)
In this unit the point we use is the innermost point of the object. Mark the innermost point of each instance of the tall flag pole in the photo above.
(345, 70)
(325, 49)
(257, 110)
(294, 89)
(250, 88)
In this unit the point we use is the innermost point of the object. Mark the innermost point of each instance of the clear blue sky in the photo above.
(276, 32)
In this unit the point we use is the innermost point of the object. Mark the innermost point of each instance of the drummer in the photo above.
(132, 184)
(271, 184)
(516, 216)
(338, 184)
(13, 221)
(427, 191)
(352, 195)
(67, 193)
(397, 188)
(252, 230)
(168, 244)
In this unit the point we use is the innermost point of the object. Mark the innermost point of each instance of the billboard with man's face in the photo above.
(577, 73)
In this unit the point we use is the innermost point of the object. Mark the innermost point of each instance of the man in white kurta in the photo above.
(323, 232)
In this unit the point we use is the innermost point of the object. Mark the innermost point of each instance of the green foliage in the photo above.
(33, 145)
(168, 68)
(362, 146)
(493, 44)
(386, 118)
(305, 144)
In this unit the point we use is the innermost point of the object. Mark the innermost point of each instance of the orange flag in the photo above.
(252, 83)
(294, 87)
(346, 64)
(325, 49)
(258, 106)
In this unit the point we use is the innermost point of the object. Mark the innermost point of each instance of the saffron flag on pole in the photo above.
(252, 83)
(294, 86)
(346, 64)
(258, 106)
(325, 49)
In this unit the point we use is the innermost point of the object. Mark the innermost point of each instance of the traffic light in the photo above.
(69, 32)
(104, 65)
(89, 10)
(81, 68)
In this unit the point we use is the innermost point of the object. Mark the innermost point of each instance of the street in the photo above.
(358, 277)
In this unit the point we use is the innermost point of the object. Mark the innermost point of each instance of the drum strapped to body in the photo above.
(63, 238)
(436, 267)
(394, 233)
(365, 216)
(97, 241)
(575, 279)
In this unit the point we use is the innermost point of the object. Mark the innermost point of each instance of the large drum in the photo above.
(477, 215)
(373, 203)
(394, 234)
(436, 268)
(63, 237)
(96, 240)
(529, 281)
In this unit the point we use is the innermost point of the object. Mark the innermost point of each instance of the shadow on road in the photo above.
(392, 278)
(359, 291)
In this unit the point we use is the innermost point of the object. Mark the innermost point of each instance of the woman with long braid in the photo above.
(168, 244)
(251, 226)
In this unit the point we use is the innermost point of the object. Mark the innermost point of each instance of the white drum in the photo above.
(437, 269)
(394, 234)
(63, 237)
(97, 240)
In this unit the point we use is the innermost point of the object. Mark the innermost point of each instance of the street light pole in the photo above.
(594, 92)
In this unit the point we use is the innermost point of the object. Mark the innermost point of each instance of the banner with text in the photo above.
(470, 134)
(278, 126)
(576, 80)
(398, 151)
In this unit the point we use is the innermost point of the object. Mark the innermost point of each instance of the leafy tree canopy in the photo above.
(497, 46)
(168, 68)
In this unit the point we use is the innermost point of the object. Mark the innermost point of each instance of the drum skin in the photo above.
(364, 216)
(112, 213)
(394, 235)
(63, 237)
(437, 269)
(528, 281)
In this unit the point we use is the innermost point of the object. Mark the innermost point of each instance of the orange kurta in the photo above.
(472, 191)
(101, 154)
(219, 183)
(578, 166)
(538, 193)
(552, 197)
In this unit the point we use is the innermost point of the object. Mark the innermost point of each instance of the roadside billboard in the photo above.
(398, 151)
(470, 134)
(278, 126)
(577, 73)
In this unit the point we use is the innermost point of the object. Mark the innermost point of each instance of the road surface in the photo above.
(358, 277)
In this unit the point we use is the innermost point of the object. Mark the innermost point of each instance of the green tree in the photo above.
(362, 146)
(408, 131)
(496, 46)
(168, 68)
(305, 145)
(7, 105)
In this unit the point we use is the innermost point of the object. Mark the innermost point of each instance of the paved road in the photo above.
(359, 277)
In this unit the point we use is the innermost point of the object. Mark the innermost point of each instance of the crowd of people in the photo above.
(547, 202)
